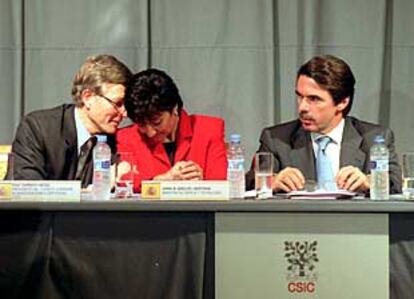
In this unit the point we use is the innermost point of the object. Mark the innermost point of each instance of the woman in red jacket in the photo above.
(168, 143)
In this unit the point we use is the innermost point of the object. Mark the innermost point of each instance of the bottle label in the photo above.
(379, 165)
(236, 164)
(102, 165)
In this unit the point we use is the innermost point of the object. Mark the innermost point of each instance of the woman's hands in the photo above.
(182, 170)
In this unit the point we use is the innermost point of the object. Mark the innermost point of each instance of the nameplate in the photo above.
(40, 190)
(185, 190)
(4, 159)
(3, 164)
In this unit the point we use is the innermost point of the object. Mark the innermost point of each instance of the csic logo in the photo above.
(301, 258)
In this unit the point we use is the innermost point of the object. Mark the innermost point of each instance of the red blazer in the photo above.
(199, 138)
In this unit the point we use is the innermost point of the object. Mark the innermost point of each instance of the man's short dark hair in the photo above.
(332, 74)
(150, 93)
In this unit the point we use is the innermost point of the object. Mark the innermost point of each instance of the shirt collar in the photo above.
(336, 134)
(82, 133)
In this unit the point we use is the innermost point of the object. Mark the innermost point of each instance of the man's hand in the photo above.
(352, 178)
(289, 179)
(183, 170)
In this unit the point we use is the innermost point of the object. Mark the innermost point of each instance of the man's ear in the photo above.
(341, 106)
(87, 97)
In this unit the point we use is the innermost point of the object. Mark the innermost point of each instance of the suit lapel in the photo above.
(303, 158)
(185, 133)
(351, 154)
(70, 150)
(302, 155)
(160, 154)
(182, 150)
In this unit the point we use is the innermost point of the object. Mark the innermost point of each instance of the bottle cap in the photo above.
(235, 138)
(101, 138)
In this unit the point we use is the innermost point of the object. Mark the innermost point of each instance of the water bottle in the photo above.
(379, 160)
(101, 169)
(235, 170)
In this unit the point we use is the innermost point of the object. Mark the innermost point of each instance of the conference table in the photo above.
(275, 248)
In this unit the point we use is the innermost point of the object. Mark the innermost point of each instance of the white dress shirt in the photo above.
(82, 133)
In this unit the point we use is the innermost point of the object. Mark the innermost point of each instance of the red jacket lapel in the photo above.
(159, 153)
(185, 133)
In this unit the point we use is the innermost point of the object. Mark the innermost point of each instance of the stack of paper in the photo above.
(321, 194)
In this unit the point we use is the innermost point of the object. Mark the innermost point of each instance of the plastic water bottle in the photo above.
(101, 169)
(379, 160)
(235, 170)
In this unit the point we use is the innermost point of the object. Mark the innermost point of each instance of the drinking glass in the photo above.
(310, 185)
(263, 168)
(408, 174)
(124, 175)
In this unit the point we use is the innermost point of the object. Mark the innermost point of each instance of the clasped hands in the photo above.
(348, 178)
(182, 170)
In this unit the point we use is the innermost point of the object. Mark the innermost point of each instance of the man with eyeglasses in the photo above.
(57, 143)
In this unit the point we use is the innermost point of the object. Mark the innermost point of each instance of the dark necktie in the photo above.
(324, 170)
(84, 168)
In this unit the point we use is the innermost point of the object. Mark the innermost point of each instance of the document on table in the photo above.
(321, 194)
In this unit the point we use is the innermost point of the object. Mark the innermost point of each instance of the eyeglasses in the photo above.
(119, 106)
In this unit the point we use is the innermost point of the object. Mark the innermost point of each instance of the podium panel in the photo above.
(301, 255)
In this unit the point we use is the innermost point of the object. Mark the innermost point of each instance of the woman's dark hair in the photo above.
(149, 93)
(332, 74)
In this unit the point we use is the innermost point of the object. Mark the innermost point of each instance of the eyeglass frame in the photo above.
(117, 105)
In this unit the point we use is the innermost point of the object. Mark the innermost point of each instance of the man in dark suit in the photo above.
(49, 143)
(325, 90)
